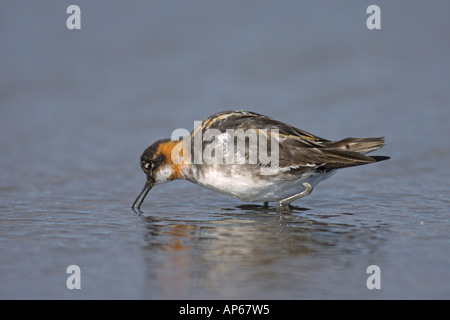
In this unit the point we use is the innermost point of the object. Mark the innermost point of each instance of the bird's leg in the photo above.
(283, 205)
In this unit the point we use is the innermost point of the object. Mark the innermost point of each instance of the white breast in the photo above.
(242, 182)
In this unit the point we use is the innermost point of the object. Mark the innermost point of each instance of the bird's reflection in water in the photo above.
(254, 208)
(239, 244)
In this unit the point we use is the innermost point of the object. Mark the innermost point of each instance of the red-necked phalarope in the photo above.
(229, 153)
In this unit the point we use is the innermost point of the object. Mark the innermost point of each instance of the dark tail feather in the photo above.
(338, 158)
(380, 158)
(360, 145)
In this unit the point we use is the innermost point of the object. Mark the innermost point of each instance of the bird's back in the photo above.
(297, 149)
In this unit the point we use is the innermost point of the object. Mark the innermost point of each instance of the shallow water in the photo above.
(77, 108)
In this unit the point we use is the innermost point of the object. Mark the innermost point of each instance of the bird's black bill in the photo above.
(148, 185)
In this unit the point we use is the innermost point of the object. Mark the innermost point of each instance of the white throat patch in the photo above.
(163, 174)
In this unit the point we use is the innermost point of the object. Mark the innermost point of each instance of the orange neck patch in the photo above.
(173, 152)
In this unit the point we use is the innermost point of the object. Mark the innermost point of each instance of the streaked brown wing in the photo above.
(298, 150)
(296, 157)
(250, 120)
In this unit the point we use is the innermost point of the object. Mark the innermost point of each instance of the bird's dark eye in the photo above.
(147, 165)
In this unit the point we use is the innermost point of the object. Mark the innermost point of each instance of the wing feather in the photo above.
(298, 150)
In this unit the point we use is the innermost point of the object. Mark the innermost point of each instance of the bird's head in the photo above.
(156, 162)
